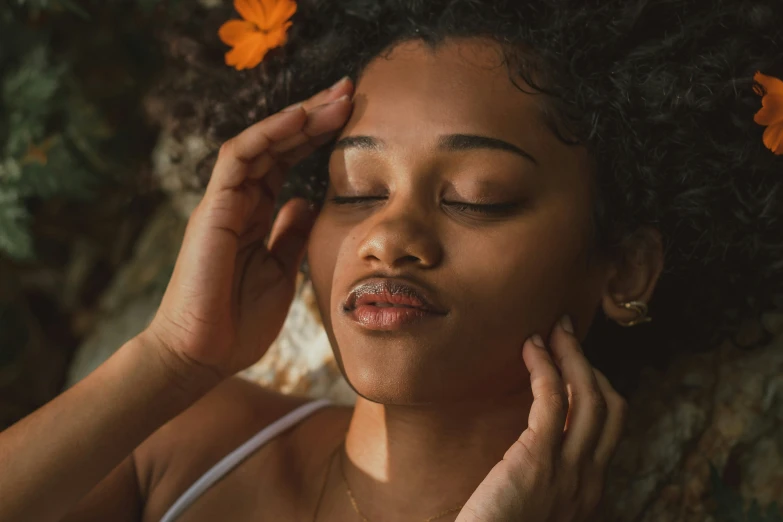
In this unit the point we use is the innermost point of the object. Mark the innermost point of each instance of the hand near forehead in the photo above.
(235, 275)
(555, 471)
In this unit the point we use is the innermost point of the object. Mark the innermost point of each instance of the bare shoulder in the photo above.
(182, 450)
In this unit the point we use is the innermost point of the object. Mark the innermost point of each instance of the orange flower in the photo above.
(38, 153)
(264, 26)
(771, 112)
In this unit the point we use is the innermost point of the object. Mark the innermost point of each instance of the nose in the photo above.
(401, 234)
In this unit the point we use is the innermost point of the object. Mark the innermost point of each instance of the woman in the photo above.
(498, 177)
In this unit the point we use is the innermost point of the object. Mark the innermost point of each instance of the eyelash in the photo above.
(491, 209)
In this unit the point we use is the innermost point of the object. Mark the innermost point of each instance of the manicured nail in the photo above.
(567, 325)
(292, 107)
(338, 84)
(538, 341)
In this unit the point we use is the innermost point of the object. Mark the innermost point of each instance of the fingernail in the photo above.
(327, 104)
(538, 341)
(338, 84)
(567, 325)
(292, 107)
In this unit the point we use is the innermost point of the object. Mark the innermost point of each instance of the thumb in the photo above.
(289, 235)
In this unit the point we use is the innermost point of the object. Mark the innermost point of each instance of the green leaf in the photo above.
(15, 237)
(28, 97)
(61, 175)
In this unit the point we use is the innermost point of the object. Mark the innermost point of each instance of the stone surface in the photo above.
(134, 295)
(301, 360)
(724, 409)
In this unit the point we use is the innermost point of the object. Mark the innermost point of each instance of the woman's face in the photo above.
(433, 136)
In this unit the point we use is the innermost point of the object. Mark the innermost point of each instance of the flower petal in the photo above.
(234, 31)
(771, 110)
(773, 138)
(247, 51)
(771, 84)
(258, 54)
(278, 36)
(279, 12)
(252, 11)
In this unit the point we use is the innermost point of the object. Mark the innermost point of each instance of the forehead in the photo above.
(463, 85)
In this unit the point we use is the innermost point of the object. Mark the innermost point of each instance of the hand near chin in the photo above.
(235, 275)
(555, 471)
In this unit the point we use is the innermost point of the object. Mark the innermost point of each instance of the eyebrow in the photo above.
(449, 142)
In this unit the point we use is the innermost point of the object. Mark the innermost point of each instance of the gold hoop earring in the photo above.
(640, 307)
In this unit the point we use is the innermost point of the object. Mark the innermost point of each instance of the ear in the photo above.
(634, 273)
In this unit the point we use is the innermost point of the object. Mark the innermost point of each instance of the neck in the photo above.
(410, 463)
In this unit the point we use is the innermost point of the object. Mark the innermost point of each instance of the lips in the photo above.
(391, 293)
(390, 304)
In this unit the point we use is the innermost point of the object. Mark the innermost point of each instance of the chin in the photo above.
(383, 388)
(403, 370)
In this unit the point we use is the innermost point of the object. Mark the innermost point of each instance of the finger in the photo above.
(269, 187)
(254, 245)
(550, 403)
(615, 421)
(264, 193)
(263, 267)
(587, 407)
(289, 235)
(341, 88)
(242, 154)
(254, 151)
(319, 121)
(264, 176)
(296, 155)
(267, 171)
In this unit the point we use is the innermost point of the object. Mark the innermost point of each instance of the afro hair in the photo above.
(659, 91)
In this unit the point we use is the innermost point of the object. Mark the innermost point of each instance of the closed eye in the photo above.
(495, 209)
(348, 200)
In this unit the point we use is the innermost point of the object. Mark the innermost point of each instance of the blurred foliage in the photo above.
(75, 182)
(71, 77)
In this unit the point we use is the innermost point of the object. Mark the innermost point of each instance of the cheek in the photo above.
(322, 254)
(531, 272)
(331, 252)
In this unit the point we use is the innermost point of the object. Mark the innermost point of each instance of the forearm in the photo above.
(55, 456)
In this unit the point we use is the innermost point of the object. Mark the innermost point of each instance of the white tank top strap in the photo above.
(231, 460)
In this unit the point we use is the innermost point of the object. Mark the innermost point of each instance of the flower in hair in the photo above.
(264, 27)
(771, 112)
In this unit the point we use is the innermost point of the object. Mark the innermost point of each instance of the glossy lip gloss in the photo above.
(384, 319)
(388, 304)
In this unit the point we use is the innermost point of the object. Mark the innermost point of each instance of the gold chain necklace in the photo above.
(359, 511)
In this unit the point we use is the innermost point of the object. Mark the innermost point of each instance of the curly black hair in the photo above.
(659, 91)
